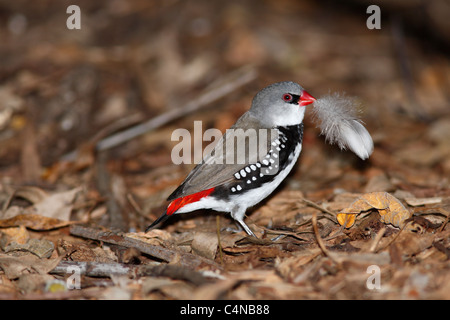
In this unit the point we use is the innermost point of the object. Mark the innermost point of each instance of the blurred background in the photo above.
(62, 92)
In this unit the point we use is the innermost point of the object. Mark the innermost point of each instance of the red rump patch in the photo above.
(179, 203)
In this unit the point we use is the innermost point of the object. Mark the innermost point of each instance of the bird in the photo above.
(226, 181)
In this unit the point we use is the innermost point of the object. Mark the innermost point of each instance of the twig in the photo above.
(377, 239)
(92, 269)
(97, 269)
(136, 206)
(325, 251)
(445, 222)
(315, 205)
(286, 233)
(185, 259)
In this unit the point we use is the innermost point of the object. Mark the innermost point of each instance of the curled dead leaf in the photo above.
(153, 237)
(14, 267)
(415, 202)
(42, 248)
(58, 205)
(390, 209)
(35, 222)
(205, 244)
(48, 211)
(18, 235)
(30, 193)
(346, 219)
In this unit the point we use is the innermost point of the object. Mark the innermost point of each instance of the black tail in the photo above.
(162, 218)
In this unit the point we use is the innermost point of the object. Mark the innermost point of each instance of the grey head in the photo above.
(280, 104)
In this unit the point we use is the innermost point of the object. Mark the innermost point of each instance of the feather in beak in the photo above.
(337, 118)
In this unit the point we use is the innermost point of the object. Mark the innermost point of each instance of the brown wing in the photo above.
(231, 154)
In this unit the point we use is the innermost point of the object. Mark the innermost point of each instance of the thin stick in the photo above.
(136, 206)
(98, 269)
(325, 251)
(445, 222)
(315, 205)
(377, 239)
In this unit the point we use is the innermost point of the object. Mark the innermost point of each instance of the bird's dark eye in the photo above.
(287, 97)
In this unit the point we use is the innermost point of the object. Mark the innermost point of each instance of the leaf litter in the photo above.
(69, 201)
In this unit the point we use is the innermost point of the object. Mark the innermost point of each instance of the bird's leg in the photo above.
(238, 214)
(246, 228)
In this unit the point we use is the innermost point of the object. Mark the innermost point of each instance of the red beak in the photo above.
(305, 99)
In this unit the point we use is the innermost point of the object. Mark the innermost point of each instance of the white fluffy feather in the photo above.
(337, 118)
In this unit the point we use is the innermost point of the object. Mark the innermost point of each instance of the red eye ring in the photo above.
(287, 97)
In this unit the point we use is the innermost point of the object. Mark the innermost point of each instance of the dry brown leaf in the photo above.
(48, 211)
(415, 202)
(77, 251)
(33, 282)
(35, 222)
(205, 244)
(30, 193)
(214, 290)
(228, 240)
(390, 209)
(58, 205)
(342, 200)
(279, 209)
(290, 267)
(150, 284)
(14, 267)
(409, 243)
(153, 237)
(11, 212)
(42, 248)
(18, 235)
